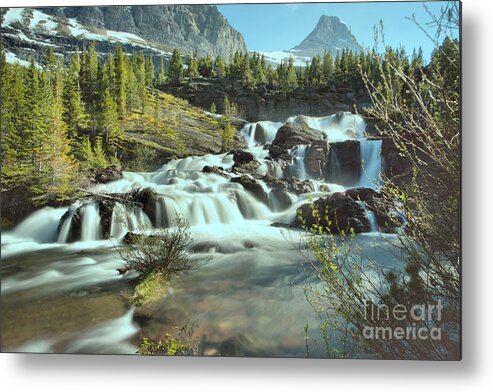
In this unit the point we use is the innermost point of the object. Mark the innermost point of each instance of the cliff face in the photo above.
(158, 28)
(329, 35)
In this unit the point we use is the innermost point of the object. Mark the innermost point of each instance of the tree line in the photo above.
(253, 70)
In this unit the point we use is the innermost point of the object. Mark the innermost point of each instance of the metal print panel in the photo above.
(261, 180)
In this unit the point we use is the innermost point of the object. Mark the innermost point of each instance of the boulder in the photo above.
(214, 170)
(343, 166)
(110, 174)
(253, 187)
(292, 184)
(338, 212)
(316, 158)
(240, 157)
(291, 135)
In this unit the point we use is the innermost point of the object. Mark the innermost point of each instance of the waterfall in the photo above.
(298, 168)
(182, 187)
(261, 132)
(67, 224)
(91, 223)
(41, 226)
(371, 163)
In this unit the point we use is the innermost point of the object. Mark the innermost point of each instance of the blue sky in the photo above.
(268, 27)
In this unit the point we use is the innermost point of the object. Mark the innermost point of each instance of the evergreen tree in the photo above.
(219, 67)
(205, 66)
(99, 157)
(121, 82)
(161, 76)
(108, 115)
(175, 71)
(74, 113)
(149, 69)
(328, 67)
(140, 74)
(193, 65)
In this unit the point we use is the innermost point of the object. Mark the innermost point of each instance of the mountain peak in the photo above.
(329, 35)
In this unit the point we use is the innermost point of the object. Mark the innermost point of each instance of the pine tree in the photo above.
(121, 82)
(213, 108)
(192, 65)
(228, 137)
(226, 106)
(89, 83)
(149, 69)
(108, 116)
(328, 67)
(219, 67)
(74, 113)
(99, 157)
(86, 154)
(58, 165)
(205, 67)
(140, 74)
(175, 71)
(161, 76)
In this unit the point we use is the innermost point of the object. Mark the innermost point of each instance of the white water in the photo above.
(91, 228)
(225, 218)
(371, 163)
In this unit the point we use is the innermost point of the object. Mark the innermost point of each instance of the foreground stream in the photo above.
(248, 299)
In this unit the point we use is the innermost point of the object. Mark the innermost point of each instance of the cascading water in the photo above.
(91, 223)
(224, 216)
(298, 168)
(371, 163)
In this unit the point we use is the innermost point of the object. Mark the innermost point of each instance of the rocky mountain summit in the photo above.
(330, 35)
(158, 28)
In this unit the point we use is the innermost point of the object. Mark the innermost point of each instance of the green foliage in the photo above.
(175, 71)
(213, 108)
(99, 160)
(182, 342)
(192, 65)
(228, 137)
(165, 252)
(161, 75)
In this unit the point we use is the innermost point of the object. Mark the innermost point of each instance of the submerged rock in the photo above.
(253, 187)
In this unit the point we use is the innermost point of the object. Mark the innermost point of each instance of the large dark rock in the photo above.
(344, 163)
(338, 212)
(291, 184)
(240, 157)
(316, 158)
(110, 174)
(351, 209)
(291, 135)
(253, 187)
